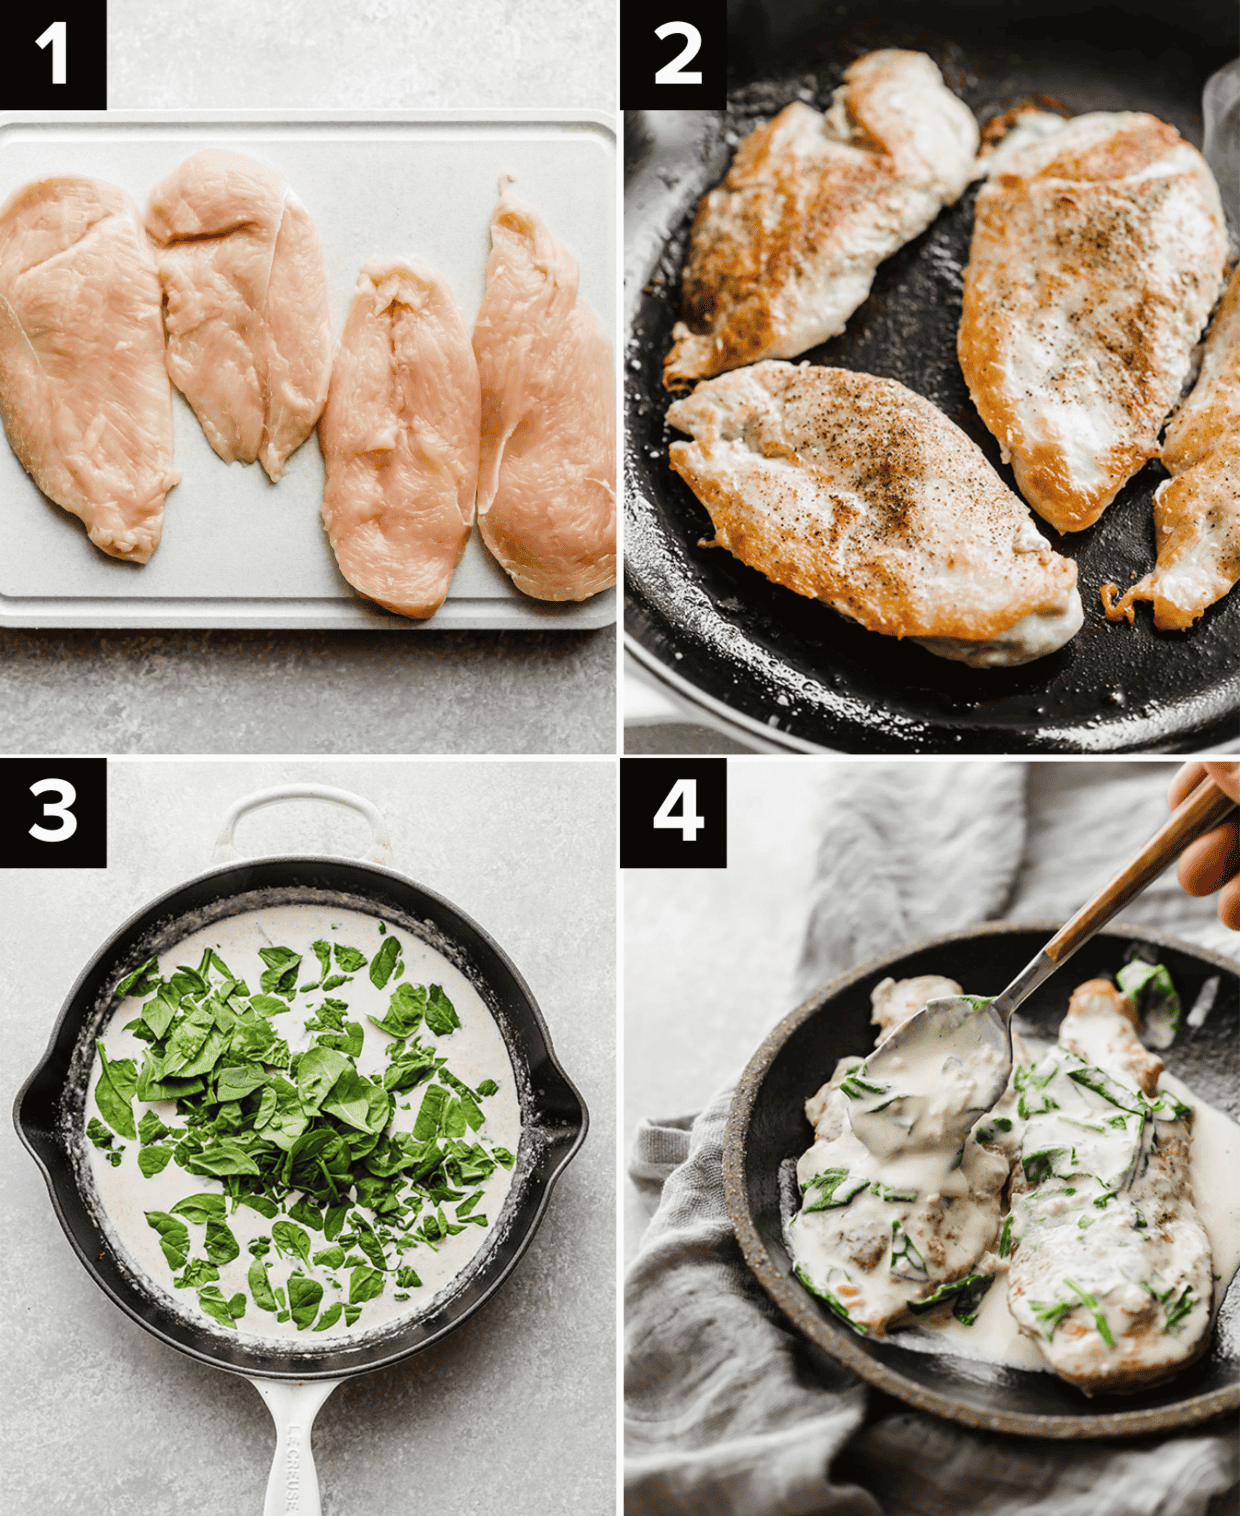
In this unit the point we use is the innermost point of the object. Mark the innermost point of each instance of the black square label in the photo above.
(55, 57)
(673, 55)
(673, 813)
(54, 813)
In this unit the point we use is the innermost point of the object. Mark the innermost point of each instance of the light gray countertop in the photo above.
(513, 1413)
(281, 691)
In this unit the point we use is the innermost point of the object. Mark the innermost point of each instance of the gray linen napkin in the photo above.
(725, 1411)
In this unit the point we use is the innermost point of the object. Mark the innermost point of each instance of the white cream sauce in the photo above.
(891, 1156)
(475, 1052)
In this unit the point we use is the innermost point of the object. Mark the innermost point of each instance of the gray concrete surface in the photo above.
(321, 692)
(514, 1413)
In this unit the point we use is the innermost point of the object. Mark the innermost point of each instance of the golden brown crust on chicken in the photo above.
(856, 491)
(784, 250)
(1097, 254)
(1197, 512)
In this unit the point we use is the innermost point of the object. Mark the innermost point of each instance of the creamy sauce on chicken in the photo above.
(475, 1056)
(911, 1227)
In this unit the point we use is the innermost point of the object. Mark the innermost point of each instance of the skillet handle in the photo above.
(379, 849)
(293, 1485)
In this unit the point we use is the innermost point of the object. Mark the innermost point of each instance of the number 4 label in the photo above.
(673, 813)
(688, 823)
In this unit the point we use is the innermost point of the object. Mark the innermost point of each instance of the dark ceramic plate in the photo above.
(784, 669)
(767, 1125)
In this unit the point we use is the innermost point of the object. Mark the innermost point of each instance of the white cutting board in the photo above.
(238, 551)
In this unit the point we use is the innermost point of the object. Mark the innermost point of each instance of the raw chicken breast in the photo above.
(1197, 512)
(83, 390)
(784, 250)
(856, 491)
(547, 480)
(399, 437)
(1097, 255)
(245, 302)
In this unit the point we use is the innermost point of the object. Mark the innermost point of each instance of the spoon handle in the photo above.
(1200, 813)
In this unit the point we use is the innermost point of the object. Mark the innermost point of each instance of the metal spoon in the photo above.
(963, 1027)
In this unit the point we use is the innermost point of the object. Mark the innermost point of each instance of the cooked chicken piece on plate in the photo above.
(83, 390)
(399, 437)
(854, 490)
(1111, 1270)
(245, 303)
(1197, 512)
(547, 478)
(785, 249)
(1097, 254)
(880, 1241)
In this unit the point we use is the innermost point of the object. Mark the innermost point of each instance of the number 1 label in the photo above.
(54, 37)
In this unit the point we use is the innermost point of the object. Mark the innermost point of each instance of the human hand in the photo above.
(1213, 861)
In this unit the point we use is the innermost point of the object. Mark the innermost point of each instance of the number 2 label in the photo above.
(674, 72)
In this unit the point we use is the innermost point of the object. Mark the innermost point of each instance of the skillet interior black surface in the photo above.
(49, 1112)
(788, 667)
(767, 1125)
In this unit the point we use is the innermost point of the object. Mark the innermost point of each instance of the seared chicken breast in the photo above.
(1197, 512)
(547, 478)
(1111, 1270)
(1097, 255)
(399, 437)
(785, 249)
(856, 491)
(245, 303)
(83, 390)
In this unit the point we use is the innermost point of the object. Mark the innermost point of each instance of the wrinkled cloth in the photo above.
(727, 1411)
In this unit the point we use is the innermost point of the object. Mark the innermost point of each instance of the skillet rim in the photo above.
(798, 1307)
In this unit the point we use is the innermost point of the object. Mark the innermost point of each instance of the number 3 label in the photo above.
(673, 72)
(58, 809)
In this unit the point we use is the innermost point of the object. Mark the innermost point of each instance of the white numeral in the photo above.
(59, 808)
(688, 823)
(672, 73)
(55, 34)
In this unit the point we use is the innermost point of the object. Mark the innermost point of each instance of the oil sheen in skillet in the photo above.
(344, 1135)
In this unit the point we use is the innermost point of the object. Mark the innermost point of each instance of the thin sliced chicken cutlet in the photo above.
(784, 250)
(245, 303)
(547, 480)
(1097, 255)
(399, 437)
(83, 390)
(1197, 512)
(950, 1232)
(856, 491)
(1111, 1270)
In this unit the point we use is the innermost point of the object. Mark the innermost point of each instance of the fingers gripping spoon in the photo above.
(927, 1083)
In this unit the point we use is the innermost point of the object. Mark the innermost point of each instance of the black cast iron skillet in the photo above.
(767, 1125)
(50, 1117)
(783, 670)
